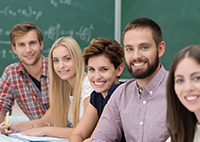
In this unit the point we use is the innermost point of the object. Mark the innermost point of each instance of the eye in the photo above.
(129, 49)
(21, 44)
(197, 78)
(104, 69)
(55, 60)
(179, 80)
(90, 69)
(32, 42)
(144, 47)
(67, 59)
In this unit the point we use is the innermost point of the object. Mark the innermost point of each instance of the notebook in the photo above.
(4, 138)
(36, 139)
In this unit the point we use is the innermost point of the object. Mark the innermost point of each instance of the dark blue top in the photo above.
(98, 101)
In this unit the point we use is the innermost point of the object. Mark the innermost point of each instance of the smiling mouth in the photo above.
(138, 64)
(63, 72)
(98, 83)
(29, 56)
(190, 98)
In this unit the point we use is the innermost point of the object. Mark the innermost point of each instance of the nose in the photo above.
(189, 86)
(136, 54)
(61, 64)
(28, 48)
(97, 75)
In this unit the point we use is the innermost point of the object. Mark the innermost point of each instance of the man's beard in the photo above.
(138, 73)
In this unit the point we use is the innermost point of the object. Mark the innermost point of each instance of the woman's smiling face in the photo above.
(102, 74)
(187, 84)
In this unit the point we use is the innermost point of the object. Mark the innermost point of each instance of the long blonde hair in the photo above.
(59, 90)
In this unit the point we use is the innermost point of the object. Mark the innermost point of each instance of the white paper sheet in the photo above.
(34, 138)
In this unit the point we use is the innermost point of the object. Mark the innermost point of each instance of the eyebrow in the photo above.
(195, 73)
(145, 43)
(179, 75)
(63, 56)
(142, 44)
(24, 42)
(20, 43)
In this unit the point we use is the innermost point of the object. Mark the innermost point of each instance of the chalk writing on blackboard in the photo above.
(56, 2)
(84, 33)
(3, 53)
(52, 33)
(27, 12)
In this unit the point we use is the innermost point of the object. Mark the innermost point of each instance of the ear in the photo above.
(120, 69)
(161, 49)
(41, 45)
(14, 49)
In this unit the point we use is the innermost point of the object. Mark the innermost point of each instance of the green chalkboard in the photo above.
(81, 19)
(178, 19)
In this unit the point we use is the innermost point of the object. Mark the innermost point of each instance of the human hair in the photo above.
(23, 28)
(59, 90)
(111, 49)
(181, 122)
(145, 23)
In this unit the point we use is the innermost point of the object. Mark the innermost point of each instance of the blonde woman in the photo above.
(69, 93)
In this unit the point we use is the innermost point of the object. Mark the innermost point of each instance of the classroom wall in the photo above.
(178, 19)
(89, 19)
(83, 20)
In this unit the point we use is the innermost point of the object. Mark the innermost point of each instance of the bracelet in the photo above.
(34, 125)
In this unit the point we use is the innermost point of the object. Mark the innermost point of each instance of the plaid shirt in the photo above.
(16, 85)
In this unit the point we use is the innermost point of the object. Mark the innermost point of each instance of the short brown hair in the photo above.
(145, 23)
(109, 48)
(23, 28)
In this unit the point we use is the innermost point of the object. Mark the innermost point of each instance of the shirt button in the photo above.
(141, 123)
(151, 92)
(144, 102)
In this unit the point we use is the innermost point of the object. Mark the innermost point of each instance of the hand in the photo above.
(40, 131)
(12, 128)
(88, 140)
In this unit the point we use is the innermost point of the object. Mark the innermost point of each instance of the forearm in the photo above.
(75, 138)
(22, 126)
(2, 117)
(58, 132)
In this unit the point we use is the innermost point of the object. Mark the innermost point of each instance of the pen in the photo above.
(7, 115)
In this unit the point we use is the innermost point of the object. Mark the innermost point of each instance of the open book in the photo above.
(36, 139)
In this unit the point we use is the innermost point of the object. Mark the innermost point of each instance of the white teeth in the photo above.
(98, 83)
(138, 64)
(191, 98)
(63, 71)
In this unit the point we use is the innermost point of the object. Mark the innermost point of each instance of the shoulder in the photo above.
(123, 89)
(86, 84)
(45, 59)
(94, 97)
(10, 74)
(128, 84)
(86, 88)
(11, 69)
(44, 70)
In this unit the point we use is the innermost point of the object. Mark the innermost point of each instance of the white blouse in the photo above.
(197, 134)
(86, 91)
